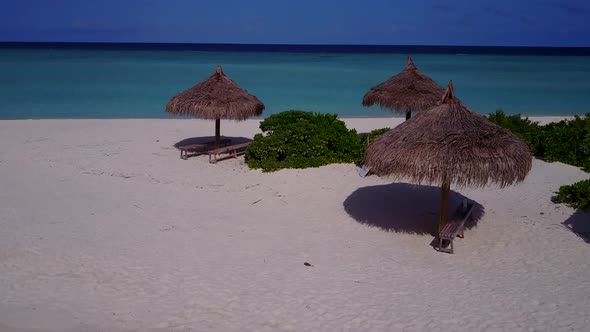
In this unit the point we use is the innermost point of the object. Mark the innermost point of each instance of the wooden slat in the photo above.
(232, 150)
(193, 147)
(229, 148)
(455, 226)
(199, 147)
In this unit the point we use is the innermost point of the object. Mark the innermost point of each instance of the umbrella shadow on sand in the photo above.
(579, 223)
(404, 208)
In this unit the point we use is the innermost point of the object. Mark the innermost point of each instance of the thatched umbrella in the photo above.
(450, 144)
(215, 98)
(409, 91)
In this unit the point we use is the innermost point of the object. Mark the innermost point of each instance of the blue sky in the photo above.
(409, 22)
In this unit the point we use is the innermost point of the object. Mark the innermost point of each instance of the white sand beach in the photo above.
(105, 228)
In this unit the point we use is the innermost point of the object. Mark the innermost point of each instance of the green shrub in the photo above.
(567, 141)
(523, 127)
(373, 135)
(576, 195)
(298, 139)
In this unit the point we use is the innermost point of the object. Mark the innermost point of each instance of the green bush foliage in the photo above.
(523, 127)
(576, 195)
(298, 139)
(373, 135)
(567, 141)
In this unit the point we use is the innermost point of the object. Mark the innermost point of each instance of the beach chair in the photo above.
(200, 148)
(363, 171)
(233, 151)
(455, 226)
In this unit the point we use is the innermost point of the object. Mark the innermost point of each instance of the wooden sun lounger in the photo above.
(200, 148)
(232, 150)
(455, 226)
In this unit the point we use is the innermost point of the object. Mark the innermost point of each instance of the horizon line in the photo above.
(280, 44)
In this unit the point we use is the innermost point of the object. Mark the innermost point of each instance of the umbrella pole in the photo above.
(217, 139)
(408, 115)
(444, 205)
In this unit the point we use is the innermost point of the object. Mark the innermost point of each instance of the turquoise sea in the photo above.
(54, 82)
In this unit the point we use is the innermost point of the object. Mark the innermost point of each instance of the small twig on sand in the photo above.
(256, 201)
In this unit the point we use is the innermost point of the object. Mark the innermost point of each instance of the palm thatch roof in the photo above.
(217, 97)
(408, 91)
(450, 144)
